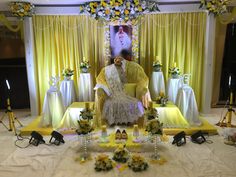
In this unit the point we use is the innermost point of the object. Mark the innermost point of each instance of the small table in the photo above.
(188, 106)
(173, 87)
(53, 109)
(86, 92)
(67, 89)
(171, 116)
(157, 84)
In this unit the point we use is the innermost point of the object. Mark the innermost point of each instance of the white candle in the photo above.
(229, 80)
(175, 64)
(83, 58)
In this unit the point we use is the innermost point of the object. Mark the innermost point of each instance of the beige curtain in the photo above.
(175, 37)
(61, 42)
(218, 60)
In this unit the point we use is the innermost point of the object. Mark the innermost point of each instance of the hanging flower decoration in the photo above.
(216, 7)
(112, 10)
(22, 9)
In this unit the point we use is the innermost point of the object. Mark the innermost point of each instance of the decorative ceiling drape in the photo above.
(62, 42)
(175, 37)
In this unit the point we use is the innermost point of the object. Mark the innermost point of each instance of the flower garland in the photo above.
(216, 7)
(112, 10)
(21, 9)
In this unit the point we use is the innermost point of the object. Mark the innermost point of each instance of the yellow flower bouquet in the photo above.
(21, 9)
(121, 154)
(216, 7)
(137, 163)
(67, 72)
(85, 127)
(103, 163)
(154, 127)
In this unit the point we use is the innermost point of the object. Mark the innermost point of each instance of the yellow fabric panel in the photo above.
(130, 89)
(175, 37)
(61, 42)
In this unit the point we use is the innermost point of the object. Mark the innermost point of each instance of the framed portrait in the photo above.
(120, 39)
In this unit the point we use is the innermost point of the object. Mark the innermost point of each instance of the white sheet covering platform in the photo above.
(157, 84)
(86, 92)
(173, 87)
(187, 104)
(53, 109)
(67, 89)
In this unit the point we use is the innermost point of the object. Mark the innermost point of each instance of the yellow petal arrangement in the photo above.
(68, 72)
(103, 163)
(112, 10)
(216, 7)
(21, 9)
(137, 163)
(121, 154)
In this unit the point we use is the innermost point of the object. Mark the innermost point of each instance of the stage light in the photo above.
(58, 138)
(8, 85)
(179, 139)
(36, 138)
(198, 137)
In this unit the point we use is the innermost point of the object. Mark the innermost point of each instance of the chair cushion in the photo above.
(130, 89)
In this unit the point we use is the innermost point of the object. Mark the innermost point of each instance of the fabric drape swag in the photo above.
(175, 37)
(62, 42)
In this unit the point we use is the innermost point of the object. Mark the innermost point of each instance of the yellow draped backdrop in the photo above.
(61, 42)
(175, 37)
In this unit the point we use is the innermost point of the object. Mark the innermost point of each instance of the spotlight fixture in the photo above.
(58, 138)
(36, 138)
(179, 139)
(198, 137)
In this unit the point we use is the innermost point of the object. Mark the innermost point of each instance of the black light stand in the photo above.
(9, 113)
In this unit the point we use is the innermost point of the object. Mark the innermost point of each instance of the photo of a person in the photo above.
(120, 39)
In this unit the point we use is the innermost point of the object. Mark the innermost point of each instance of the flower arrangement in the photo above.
(121, 154)
(67, 72)
(21, 9)
(157, 65)
(154, 127)
(174, 71)
(85, 127)
(86, 114)
(113, 10)
(103, 163)
(84, 64)
(161, 99)
(137, 163)
(216, 7)
(151, 113)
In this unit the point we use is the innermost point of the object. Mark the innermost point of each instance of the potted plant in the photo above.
(84, 66)
(157, 65)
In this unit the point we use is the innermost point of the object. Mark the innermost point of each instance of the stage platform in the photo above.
(206, 127)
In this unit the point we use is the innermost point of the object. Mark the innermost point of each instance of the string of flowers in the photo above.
(21, 9)
(216, 7)
(113, 10)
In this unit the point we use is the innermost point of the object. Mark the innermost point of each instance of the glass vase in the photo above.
(156, 155)
(84, 142)
(67, 78)
(84, 70)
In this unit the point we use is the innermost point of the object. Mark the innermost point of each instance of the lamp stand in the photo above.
(226, 121)
(11, 118)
